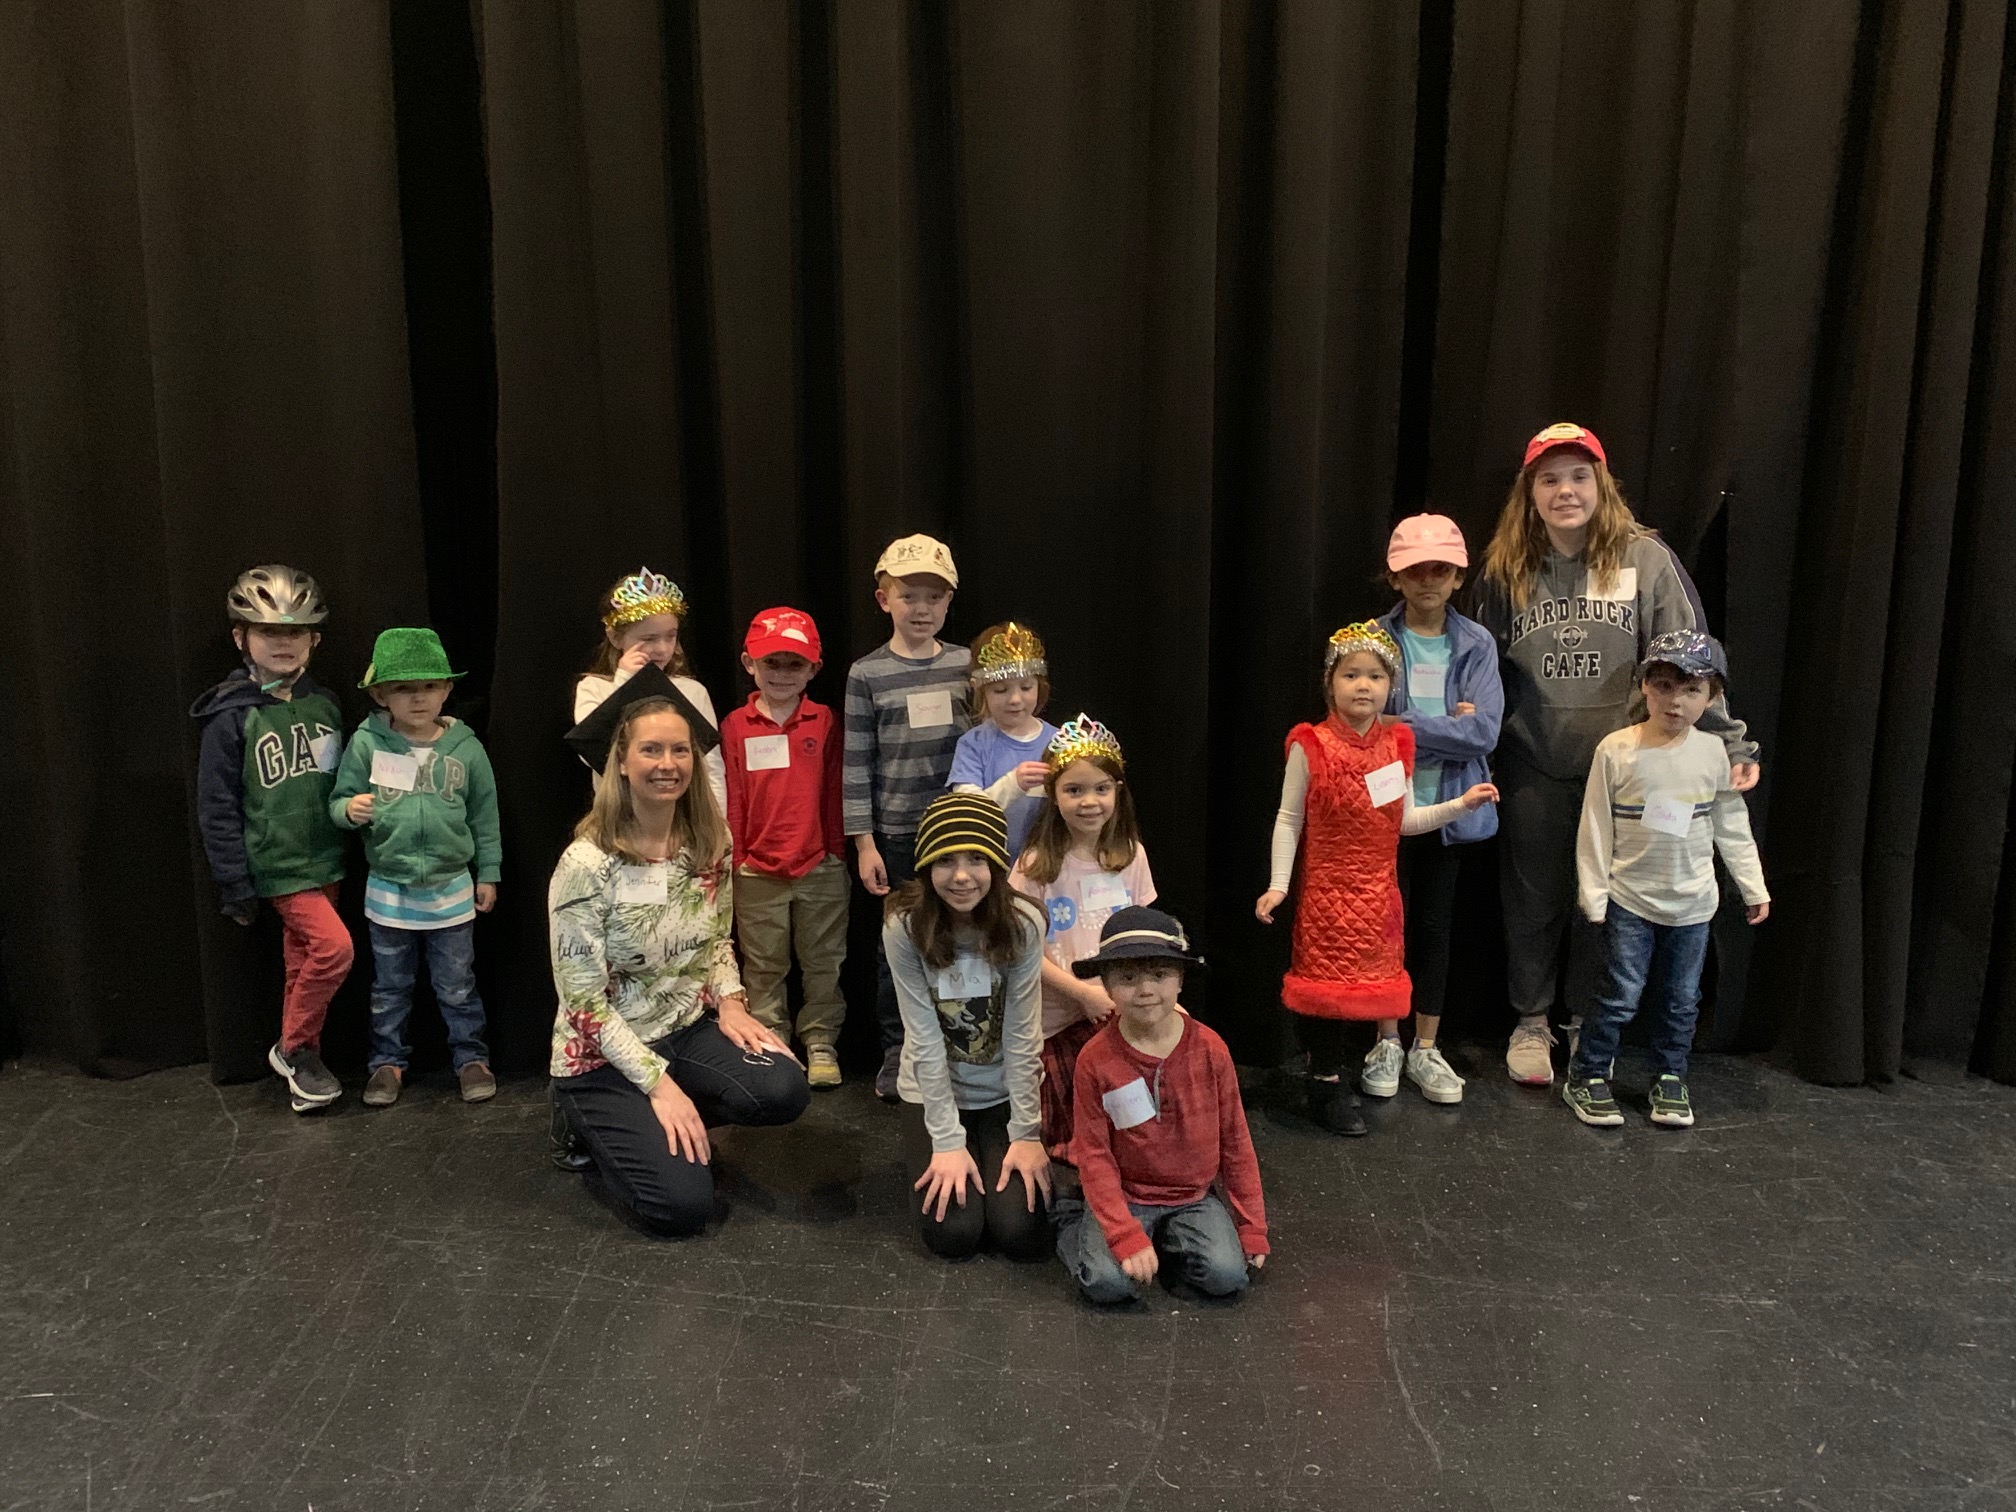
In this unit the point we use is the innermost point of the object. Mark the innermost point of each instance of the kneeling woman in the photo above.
(641, 916)
(966, 953)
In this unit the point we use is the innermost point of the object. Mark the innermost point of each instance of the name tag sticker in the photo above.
(1129, 1105)
(930, 711)
(1620, 589)
(965, 979)
(328, 750)
(395, 770)
(1387, 784)
(1104, 890)
(640, 884)
(1424, 681)
(1668, 815)
(767, 753)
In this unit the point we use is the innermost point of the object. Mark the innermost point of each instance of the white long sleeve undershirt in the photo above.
(1294, 806)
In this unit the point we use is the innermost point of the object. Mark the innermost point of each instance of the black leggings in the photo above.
(1003, 1217)
(664, 1191)
(1428, 872)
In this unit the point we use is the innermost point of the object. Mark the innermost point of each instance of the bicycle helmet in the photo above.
(275, 595)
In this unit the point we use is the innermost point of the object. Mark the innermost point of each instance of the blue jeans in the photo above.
(1198, 1242)
(1632, 947)
(451, 966)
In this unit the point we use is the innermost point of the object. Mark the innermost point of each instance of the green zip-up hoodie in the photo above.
(262, 789)
(430, 835)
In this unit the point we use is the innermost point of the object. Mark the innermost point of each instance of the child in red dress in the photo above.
(1349, 793)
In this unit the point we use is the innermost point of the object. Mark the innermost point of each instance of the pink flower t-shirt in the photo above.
(1079, 903)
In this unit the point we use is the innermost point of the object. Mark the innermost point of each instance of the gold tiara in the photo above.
(1366, 635)
(1079, 740)
(641, 595)
(1013, 654)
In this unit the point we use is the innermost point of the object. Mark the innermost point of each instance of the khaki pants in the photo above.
(773, 912)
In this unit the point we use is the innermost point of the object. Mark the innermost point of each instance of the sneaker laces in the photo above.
(1536, 1029)
(1431, 1057)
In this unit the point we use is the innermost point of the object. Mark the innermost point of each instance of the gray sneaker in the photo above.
(1436, 1078)
(1529, 1058)
(1381, 1076)
(309, 1084)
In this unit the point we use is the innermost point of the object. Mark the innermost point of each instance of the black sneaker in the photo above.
(569, 1152)
(1334, 1106)
(309, 1084)
(1589, 1097)
(1670, 1104)
(885, 1079)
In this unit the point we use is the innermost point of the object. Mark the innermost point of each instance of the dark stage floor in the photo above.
(206, 1302)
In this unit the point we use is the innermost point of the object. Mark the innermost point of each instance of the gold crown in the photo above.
(1014, 653)
(641, 595)
(1366, 635)
(1080, 739)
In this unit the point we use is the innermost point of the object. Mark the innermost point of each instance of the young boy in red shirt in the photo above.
(783, 754)
(1159, 1131)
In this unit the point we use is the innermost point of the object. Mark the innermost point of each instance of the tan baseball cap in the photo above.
(916, 555)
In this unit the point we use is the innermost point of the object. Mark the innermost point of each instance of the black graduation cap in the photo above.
(590, 739)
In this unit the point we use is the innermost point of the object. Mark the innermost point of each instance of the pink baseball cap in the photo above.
(780, 630)
(1567, 433)
(1426, 538)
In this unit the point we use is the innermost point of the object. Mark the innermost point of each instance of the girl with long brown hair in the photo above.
(1573, 590)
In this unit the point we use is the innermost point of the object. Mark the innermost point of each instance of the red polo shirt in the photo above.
(784, 819)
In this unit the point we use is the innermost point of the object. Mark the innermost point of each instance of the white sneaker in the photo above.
(1437, 1080)
(1529, 1058)
(1381, 1076)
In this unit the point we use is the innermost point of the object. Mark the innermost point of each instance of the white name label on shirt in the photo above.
(930, 711)
(1129, 1105)
(1620, 589)
(1107, 890)
(641, 884)
(1668, 815)
(1387, 784)
(965, 979)
(328, 751)
(396, 770)
(767, 753)
(1425, 681)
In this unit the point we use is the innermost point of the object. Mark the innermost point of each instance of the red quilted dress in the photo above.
(1350, 958)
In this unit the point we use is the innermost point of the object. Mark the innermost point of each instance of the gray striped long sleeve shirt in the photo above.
(899, 753)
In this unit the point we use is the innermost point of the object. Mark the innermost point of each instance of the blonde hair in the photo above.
(978, 698)
(699, 834)
(1519, 545)
(1050, 836)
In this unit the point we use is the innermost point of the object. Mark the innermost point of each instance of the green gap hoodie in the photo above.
(263, 787)
(432, 834)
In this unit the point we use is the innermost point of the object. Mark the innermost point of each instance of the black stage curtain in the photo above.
(1159, 313)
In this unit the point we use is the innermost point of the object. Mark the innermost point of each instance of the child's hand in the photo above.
(1094, 999)
(874, 875)
(1141, 1268)
(633, 661)
(486, 896)
(242, 913)
(946, 1178)
(359, 809)
(1757, 913)
(1270, 900)
(1464, 708)
(1479, 795)
(1031, 775)
(1743, 776)
(1258, 1262)
(1028, 1159)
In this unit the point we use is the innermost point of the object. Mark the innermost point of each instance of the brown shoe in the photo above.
(383, 1089)
(478, 1085)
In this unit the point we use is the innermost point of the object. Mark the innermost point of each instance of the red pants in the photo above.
(316, 949)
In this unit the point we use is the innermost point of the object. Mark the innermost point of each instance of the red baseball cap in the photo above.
(1567, 433)
(782, 630)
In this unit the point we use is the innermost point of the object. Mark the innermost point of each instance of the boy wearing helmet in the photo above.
(271, 739)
